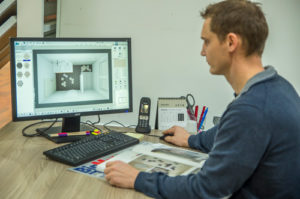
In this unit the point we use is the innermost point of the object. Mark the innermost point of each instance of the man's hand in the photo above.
(180, 136)
(120, 174)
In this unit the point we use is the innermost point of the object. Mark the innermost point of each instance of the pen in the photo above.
(196, 111)
(203, 118)
(64, 134)
(203, 110)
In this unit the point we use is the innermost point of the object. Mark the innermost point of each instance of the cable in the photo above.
(131, 125)
(104, 125)
(152, 135)
(93, 123)
(38, 133)
(114, 121)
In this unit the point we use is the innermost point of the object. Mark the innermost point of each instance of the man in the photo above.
(254, 152)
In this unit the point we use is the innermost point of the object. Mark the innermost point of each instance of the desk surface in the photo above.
(26, 173)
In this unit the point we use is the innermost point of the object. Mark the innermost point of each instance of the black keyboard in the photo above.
(90, 148)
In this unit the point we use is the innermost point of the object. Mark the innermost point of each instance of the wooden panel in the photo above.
(4, 55)
(4, 52)
(10, 11)
(5, 95)
(4, 39)
(4, 60)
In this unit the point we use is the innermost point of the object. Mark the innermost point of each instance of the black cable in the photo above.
(38, 133)
(152, 135)
(131, 125)
(113, 121)
(104, 125)
(93, 123)
(118, 123)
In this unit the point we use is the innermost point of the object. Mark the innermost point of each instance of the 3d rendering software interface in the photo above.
(55, 77)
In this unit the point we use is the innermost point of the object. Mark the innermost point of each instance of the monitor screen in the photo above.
(70, 77)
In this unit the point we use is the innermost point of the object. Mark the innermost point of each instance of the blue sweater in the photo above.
(254, 152)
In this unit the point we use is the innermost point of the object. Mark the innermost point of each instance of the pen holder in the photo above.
(191, 126)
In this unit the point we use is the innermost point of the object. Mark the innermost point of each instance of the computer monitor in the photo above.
(70, 77)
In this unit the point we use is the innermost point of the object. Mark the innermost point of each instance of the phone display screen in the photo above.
(144, 108)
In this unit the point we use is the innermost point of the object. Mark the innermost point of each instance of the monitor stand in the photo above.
(69, 124)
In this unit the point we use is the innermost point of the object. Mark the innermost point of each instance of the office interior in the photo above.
(166, 45)
(71, 76)
(166, 62)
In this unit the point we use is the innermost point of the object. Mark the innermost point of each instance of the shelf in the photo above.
(7, 9)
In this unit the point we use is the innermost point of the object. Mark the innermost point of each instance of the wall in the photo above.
(166, 46)
(30, 18)
(283, 44)
(45, 73)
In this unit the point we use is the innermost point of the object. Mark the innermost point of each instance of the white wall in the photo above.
(283, 45)
(30, 18)
(46, 83)
(166, 46)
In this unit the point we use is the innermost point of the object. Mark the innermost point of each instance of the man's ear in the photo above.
(233, 41)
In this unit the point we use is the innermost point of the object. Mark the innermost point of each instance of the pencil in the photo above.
(70, 134)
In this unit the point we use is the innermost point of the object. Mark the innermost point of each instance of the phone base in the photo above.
(143, 129)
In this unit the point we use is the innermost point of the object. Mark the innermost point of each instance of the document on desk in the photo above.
(90, 168)
(150, 157)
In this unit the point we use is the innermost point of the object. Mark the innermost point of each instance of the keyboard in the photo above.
(90, 148)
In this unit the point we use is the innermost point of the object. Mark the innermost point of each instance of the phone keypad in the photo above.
(143, 121)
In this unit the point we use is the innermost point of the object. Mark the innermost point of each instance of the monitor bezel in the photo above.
(64, 115)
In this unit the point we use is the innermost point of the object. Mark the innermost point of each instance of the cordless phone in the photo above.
(144, 116)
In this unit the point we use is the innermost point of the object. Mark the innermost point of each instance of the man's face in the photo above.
(215, 52)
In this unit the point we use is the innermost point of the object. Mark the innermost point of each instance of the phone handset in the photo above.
(144, 116)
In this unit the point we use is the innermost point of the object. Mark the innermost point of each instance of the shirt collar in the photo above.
(268, 73)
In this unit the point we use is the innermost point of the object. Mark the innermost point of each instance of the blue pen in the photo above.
(204, 115)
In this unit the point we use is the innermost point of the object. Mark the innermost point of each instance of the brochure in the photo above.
(149, 157)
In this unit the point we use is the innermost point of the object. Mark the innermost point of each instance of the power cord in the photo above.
(88, 122)
(38, 133)
(133, 126)
(152, 135)
(113, 121)
(93, 123)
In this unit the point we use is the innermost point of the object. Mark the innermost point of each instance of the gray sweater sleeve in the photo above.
(238, 147)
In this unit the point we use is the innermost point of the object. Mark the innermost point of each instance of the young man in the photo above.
(254, 152)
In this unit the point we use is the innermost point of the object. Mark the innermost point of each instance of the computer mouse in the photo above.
(165, 135)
